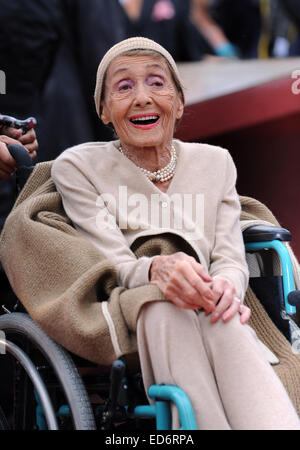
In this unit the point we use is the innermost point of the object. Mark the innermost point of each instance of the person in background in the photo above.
(90, 28)
(214, 34)
(292, 8)
(231, 26)
(276, 30)
(169, 23)
(29, 39)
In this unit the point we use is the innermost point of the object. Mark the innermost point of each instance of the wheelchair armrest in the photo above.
(263, 233)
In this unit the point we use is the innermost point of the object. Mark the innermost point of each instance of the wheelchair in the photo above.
(56, 390)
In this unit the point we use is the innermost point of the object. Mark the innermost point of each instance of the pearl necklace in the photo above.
(160, 175)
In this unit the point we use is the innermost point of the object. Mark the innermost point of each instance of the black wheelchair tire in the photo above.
(62, 364)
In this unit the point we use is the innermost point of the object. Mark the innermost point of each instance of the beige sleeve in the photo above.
(228, 260)
(89, 215)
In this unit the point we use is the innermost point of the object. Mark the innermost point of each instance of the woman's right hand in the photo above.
(183, 281)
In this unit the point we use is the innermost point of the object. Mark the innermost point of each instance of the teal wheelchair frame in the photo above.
(286, 266)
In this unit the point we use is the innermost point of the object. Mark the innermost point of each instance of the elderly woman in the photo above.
(147, 183)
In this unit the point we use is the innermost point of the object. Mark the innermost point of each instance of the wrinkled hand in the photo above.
(183, 281)
(14, 136)
(227, 302)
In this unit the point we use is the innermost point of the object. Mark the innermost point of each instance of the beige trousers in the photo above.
(220, 367)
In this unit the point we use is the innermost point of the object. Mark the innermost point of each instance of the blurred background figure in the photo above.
(292, 8)
(29, 39)
(201, 16)
(91, 27)
(280, 30)
(280, 24)
(231, 26)
(30, 34)
(249, 28)
(168, 23)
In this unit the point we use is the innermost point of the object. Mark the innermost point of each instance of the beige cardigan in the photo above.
(113, 204)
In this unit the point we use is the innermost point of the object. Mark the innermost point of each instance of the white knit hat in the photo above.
(135, 43)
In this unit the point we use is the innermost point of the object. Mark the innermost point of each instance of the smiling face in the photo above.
(141, 100)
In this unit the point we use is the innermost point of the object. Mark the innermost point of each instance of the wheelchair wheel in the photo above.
(18, 327)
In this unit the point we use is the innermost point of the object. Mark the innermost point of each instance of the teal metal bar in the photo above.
(181, 401)
(145, 411)
(160, 411)
(163, 415)
(286, 267)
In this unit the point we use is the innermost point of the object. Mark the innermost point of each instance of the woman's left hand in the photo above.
(227, 302)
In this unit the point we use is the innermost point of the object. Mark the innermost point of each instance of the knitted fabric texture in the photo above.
(135, 43)
(62, 280)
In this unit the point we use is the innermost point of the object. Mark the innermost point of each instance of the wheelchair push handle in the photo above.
(25, 125)
(24, 164)
(17, 151)
(20, 155)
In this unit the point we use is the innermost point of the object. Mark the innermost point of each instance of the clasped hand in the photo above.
(13, 136)
(188, 285)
